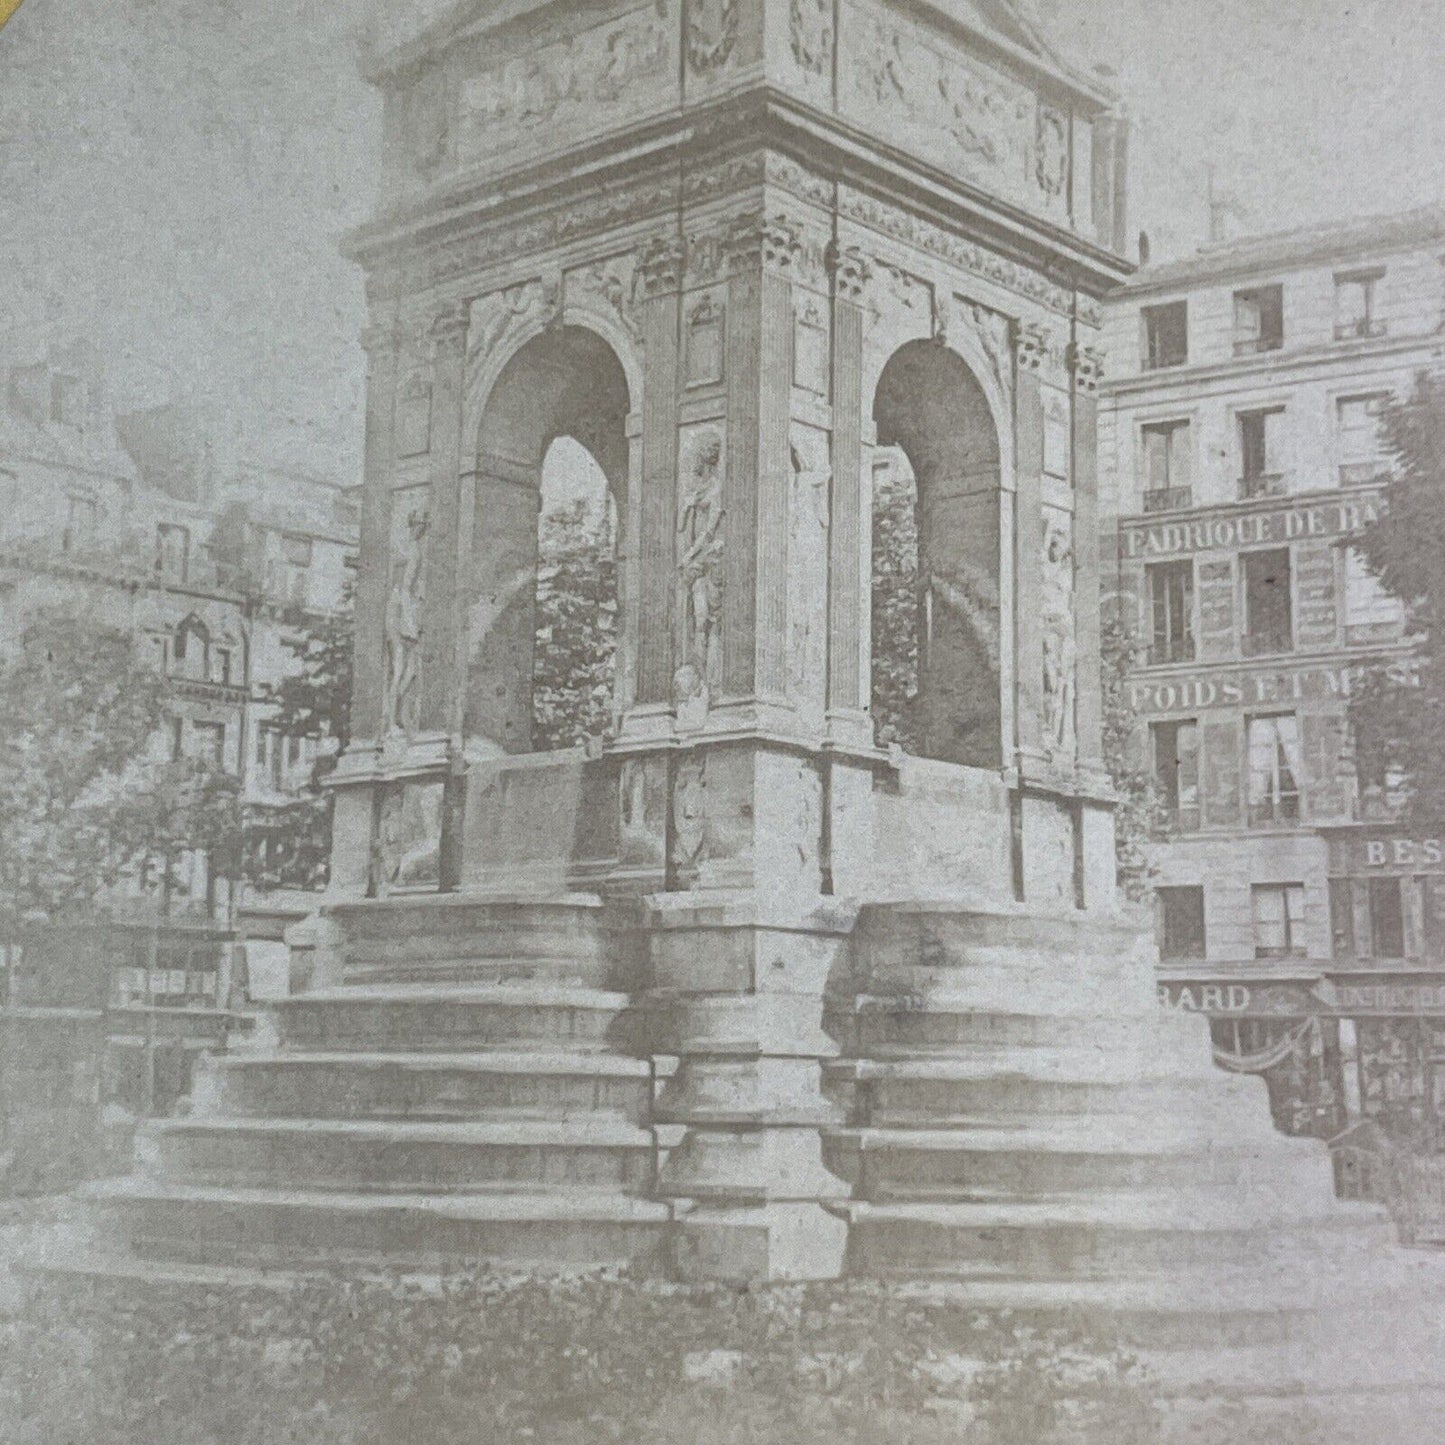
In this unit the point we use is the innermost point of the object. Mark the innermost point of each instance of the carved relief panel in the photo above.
(402, 632)
(569, 87)
(1059, 648)
(702, 462)
(703, 340)
(609, 287)
(413, 416)
(810, 480)
(406, 839)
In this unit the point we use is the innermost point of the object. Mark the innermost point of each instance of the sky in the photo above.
(176, 175)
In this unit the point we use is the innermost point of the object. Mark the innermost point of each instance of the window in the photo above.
(1167, 466)
(173, 545)
(208, 744)
(1342, 918)
(1258, 320)
(178, 738)
(1166, 335)
(1357, 428)
(1171, 601)
(1261, 453)
(79, 522)
(1268, 615)
(296, 551)
(1181, 923)
(1274, 769)
(223, 663)
(1387, 919)
(1371, 613)
(191, 651)
(1355, 297)
(1176, 770)
(1279, 914)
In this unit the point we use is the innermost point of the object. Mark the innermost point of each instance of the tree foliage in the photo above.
(575, 662)
(1396, 708)
(289, 846)
(895, 611)
(87, 797)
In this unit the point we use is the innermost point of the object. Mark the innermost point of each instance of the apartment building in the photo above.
(1240, 450)
(217, 563)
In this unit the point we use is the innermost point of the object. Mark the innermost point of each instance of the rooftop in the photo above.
(1329, 242)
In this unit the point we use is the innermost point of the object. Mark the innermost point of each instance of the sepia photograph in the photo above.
(722, 722)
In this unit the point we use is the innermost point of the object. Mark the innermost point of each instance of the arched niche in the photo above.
(944, 491)
(564, 383)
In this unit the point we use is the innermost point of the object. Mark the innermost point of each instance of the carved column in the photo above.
(850, 537)
(439, 713)
(1031, 347)
(660, 269)
(761, 252)
(1086, 368)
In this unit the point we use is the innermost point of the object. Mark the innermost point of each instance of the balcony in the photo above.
(1175, 649)
(1263, 484)
(1257, 345)
(1168, 499)
(1359, 330)
(1365, 474)
(1268, 642)
(1279, 812)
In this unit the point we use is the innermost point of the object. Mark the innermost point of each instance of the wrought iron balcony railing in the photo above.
(1168, 499)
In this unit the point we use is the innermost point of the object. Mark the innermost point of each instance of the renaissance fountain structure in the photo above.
(731, 991)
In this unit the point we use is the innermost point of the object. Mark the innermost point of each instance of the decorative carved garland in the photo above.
(712, 34)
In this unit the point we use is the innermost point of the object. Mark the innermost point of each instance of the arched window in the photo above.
(191, 650)
(936, 561)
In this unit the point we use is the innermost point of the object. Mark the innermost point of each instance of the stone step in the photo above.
(433, 1086)
(1006, 1085)
(452, 1019)
(402, 1157)
(1109, 1154)
(879, 1027)
(269, 1228)
(451, 938)
(1122, 1237)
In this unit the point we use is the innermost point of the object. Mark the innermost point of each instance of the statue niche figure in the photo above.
(1058, 640)
(700, 547)
(403, 627)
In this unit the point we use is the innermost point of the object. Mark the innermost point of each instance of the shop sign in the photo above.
(1239, 689)
(1412, 853)
(1331, 518)
(1382, 997)
(1205, 998)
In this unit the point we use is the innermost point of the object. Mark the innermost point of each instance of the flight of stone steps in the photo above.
(474, 1087)
(1014, 1121)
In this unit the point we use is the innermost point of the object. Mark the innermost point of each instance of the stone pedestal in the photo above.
(738, 994)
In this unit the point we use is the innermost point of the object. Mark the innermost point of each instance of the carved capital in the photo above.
(849, 268)
(449, 326)
(660, 264)
(771, 242)
(1031, 346)
(1086, 364)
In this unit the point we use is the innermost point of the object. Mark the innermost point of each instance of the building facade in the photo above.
(218, 565)
(1240, 451)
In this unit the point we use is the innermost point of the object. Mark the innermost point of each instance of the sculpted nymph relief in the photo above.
(700, 570)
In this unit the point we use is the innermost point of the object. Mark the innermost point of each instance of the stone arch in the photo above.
(561, 381)
(191, 648)
(931, 406)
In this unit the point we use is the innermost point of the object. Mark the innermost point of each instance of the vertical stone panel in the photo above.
(740, 490)
(661, 267)
(374, 572)
(1220, 765)
(1089, 704)
(848, 523)
(774, 478)
(1028, 556)
(440, 680)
